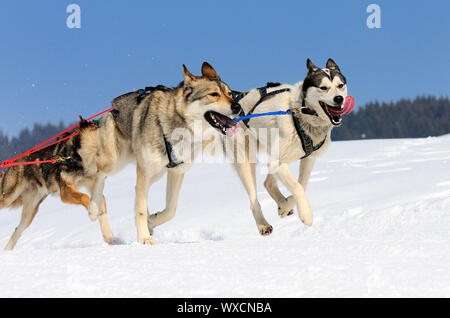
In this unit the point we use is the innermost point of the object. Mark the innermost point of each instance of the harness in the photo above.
(263, 96)
(62, 158)
(306, 141)
(47, 166)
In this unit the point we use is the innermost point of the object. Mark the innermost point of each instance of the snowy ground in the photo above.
(381, 228)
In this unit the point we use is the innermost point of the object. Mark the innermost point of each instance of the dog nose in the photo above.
(236, 108)
(338, 99)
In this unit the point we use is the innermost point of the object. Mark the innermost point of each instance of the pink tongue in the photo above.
(348, 105)
(233, 130)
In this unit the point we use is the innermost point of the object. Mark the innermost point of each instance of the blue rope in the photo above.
(288, 112)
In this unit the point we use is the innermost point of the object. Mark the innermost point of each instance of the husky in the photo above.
(141, 129)
(318, 104)
(29, 185)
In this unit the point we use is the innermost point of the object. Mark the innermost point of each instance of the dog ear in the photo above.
(311, 67)
(187, 75)
(209, 71)
(332, 65)
(81, 118)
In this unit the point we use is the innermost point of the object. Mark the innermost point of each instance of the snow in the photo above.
(381, 229)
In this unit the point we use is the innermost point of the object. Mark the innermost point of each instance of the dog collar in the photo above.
(307, 111)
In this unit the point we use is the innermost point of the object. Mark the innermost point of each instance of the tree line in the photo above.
(27, 138)
(421, 117)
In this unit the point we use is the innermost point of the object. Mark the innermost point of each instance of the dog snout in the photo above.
(236, 108)
(338, 99)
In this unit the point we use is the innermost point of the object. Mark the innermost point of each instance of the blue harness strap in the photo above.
(246, 117)
(263, 96)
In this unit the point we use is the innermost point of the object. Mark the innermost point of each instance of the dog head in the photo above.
(210, 99)
(324, 91)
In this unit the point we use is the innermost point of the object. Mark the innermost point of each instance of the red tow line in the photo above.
(12, 162)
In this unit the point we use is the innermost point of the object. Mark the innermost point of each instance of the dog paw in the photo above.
(286, 208)
(283, 213)
(93, 211)
(147, 241)
(265, 230)
(306, 218)
(111, 240)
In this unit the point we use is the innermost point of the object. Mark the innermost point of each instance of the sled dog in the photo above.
(29, 185)
(142, 129)
(318, 104)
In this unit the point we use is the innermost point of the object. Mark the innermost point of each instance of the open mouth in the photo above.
(222, 123)
(333, 112)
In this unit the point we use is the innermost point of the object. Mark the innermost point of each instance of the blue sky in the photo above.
(49, 72)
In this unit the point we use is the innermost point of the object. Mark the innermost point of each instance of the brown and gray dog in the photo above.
(146, 128)
(29, 185)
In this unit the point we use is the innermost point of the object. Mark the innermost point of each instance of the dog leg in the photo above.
(144, 180)
(108, 236)
(306, 166)
(70, 195)
(174, 181)
(30, 208)
(304, 211)
(97, 197)
(246, 172)
(285, 205)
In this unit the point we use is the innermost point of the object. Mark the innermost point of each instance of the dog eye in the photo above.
(324, 88)
(340, 85)
(214, 94)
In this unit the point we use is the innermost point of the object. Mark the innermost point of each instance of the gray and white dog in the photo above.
(318, 103)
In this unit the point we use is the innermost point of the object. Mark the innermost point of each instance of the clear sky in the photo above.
(49, 72)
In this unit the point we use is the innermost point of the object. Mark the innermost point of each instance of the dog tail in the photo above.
(11, 188)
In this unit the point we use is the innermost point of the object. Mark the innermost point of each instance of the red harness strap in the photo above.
(43, 145)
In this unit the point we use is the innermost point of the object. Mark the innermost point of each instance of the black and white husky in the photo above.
(318, 104)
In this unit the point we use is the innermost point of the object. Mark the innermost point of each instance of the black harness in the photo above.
(307, 143)
(61, 159)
